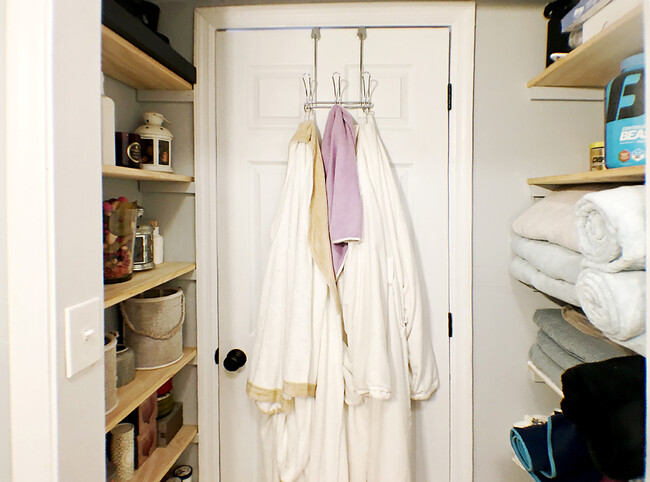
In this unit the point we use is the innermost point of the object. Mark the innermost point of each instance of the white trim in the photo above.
(460, 17)
(32, 385)
(205, 173)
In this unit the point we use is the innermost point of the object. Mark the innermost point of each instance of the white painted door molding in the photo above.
(459, 17)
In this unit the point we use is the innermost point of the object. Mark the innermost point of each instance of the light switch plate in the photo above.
(84, 337)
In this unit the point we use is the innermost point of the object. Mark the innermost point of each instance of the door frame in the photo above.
(459, 17)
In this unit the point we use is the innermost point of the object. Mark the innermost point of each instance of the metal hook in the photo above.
(336, 82)
(308, 83)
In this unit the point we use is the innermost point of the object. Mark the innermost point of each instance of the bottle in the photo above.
(108, 128)
(158, 244)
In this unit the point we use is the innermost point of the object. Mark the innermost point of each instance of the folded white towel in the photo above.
(551, 259)
(553, 218)
(611, 228)
(614, 302)
(528, 274)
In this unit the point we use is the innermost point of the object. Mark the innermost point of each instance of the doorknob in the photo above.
(235, 359)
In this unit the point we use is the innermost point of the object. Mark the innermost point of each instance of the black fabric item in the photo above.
(556, 41)
(131, 28)
(606, 401)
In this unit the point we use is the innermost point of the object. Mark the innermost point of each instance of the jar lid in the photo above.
(633, 62)
(183, 471)
(595, 145)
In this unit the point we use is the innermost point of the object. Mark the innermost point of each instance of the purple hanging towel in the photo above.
(342, 184)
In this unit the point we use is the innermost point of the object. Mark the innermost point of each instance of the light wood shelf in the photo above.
(120, 172)
(597, 61)
(631, 174)
(131, 395)
(163, 458)
(123, 61)
(144, 280)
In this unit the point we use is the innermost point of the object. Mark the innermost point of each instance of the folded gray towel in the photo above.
(579, 345)
(555, 352)
(542, 361)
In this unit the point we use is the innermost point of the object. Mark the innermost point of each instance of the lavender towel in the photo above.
(341, 183)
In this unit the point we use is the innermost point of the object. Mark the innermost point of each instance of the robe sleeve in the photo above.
(423, 369)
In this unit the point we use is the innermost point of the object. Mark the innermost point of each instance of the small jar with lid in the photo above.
(143, 249)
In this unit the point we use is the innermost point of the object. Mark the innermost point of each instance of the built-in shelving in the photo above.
(131, 395)
(144, 280)
(163, 458)
(539, 375)
(631, 174)
(597, 61)
(123, 61)
(120, 172)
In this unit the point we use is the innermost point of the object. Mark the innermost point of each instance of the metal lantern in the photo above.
(155, 143)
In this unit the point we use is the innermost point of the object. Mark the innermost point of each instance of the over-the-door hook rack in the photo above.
(311, 103)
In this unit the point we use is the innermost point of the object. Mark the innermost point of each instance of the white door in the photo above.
(259, 105)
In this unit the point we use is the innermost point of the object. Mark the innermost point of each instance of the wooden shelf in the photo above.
(130, 396)
(163, 458)
(597, 61)
(544, 377)
(120, 172)
(144, 280)
(632, 174)
(130, 65)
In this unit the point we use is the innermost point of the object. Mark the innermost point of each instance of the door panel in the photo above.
(259, 105)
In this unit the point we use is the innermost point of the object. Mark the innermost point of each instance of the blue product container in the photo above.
(625, 116)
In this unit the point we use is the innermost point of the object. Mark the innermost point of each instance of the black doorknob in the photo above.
(235, 359)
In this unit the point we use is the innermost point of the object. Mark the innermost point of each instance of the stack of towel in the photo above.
(611, 288)
(560, 345)
(545, 244)
(586, 247)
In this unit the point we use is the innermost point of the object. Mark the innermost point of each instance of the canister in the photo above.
(597, 156)
(625, 116)
(143, 248)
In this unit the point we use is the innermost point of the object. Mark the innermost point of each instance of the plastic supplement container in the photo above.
(625, 143)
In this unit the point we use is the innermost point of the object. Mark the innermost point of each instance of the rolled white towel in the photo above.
(611, 228)
(614, 302)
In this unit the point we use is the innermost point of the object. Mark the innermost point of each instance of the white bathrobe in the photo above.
(296, 367)
(391, 357)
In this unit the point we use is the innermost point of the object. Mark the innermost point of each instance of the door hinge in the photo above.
(450, 325)
(448, 96)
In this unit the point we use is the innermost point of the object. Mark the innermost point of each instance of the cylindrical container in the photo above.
(625, 116)
(153, 323)
(143, 248)
(125, 365)
(184, 472)
(127, 150)
(110, 372)
(165, 404)
(158, 244)
(123, 450)
(119, 236)
(597, 156)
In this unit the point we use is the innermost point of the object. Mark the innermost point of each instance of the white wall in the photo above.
(514, 139)
(53, 231)
(5, 443)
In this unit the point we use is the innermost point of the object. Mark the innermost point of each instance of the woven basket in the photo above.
(153, 323)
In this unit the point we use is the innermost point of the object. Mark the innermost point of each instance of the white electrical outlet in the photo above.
(84, 338)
